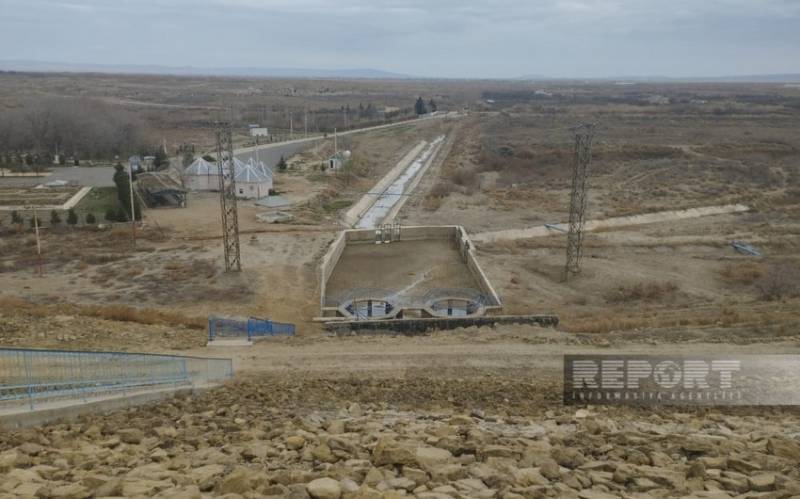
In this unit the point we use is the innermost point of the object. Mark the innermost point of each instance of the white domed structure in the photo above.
(202, 176)
(253, 180)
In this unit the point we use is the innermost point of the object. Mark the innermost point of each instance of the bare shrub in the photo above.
(431, 203)
(642, 292)
(121, 313)
(781, 280)
(464, 176)
(744, 273)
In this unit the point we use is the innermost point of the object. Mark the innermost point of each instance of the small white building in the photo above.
(259, 132)
(337, 161)
(202, 176)
(253, 180)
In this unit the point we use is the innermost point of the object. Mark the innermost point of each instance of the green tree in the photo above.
(72, 217)
(432, 105)
(111, 215)
(282, 165)
(419, 107)
(16, 218)
(55, 218)
(122, 215)
(32, 222)
(124, 193)
(90, 219)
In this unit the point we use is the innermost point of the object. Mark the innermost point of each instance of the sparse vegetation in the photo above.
(72, 217)
(780, 280)
(647, 292)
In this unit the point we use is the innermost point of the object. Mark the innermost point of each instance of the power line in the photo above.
(584, 133)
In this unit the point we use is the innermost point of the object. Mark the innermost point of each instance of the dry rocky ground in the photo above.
(427, 435)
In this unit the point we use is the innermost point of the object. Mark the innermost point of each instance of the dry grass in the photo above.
(781, 280)
(648, 292)
(742, 273)
(121, 313)
(614, 320)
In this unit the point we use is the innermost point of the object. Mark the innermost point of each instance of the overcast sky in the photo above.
(435, 38)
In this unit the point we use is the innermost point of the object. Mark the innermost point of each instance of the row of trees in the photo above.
(69, 127)
(72, 218)
(55, 218)
(320, 120)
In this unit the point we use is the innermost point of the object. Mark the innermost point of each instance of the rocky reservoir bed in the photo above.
(473, 437)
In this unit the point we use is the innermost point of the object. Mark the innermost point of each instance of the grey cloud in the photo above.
(480, 38)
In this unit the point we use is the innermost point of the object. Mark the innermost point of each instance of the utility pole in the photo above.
(227, 198)
(38, 242)
(133, 211)
(584, 134)
(335, 145)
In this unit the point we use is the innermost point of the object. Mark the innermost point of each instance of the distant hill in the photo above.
(763, 78)
(52, 67)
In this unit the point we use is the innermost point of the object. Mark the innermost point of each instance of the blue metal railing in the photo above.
(33, 375)
(219, 327)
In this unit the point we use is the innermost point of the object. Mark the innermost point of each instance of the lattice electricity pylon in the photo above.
(227, 198)
(584, 134)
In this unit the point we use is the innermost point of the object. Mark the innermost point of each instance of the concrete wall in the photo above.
(467, 250)
(410, 233)
(411, 327)
(327, 265)
(22, 417)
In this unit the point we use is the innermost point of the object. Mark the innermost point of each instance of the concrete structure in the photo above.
(253, 180)
(413, 327)
(68, 410)
(337, 161)
(404, 272)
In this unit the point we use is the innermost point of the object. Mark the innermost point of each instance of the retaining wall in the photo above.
(413, 327)
(411, 233)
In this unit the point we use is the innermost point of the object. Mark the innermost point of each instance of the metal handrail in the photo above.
(47, 374)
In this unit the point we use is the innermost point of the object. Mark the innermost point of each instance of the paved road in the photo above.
(270, 154)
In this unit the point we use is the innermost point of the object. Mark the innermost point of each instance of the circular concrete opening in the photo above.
(368, 308)
(455, 307)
